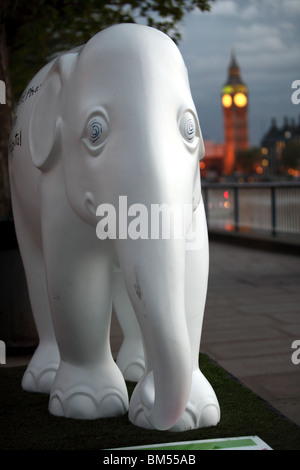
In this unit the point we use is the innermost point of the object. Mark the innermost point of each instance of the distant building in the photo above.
(212, 164)
(220, 158)
(275, 141)
(235, 113)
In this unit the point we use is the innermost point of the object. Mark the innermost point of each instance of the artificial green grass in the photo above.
(25, 423)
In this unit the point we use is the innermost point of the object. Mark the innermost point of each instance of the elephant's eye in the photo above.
(95, 133)
(95, 130)
(189, 129)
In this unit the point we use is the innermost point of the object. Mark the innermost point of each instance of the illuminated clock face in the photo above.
(227, 100)
(240, 100)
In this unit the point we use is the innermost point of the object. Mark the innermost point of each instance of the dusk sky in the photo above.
(265, 36)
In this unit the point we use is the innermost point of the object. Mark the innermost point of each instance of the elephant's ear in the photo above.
(45, 116)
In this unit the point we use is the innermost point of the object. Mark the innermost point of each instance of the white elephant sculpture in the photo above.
(113, 118)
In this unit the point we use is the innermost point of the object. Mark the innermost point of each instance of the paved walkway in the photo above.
(252, 318)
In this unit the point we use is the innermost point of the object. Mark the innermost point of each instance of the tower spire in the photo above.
(233, 62)
(233, 69)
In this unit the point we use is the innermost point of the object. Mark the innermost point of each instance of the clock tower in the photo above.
(235, 112)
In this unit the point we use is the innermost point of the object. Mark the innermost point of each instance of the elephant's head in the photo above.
(120, 114)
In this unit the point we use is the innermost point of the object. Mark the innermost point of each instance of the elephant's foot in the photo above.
(142, 399)
(88, 392)
(41, 371)
(202, 409)
(131, 360)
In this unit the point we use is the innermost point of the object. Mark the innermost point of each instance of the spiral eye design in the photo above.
(189, 129)
(95, 129)
(96, 132)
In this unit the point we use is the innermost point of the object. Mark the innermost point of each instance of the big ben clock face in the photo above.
(227, 100)
(240, 100)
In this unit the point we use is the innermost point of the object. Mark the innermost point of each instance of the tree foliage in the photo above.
(37, 30)
(291, 156)
(34, 31)
(247, 160)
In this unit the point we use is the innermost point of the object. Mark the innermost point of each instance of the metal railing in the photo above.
(247, 207)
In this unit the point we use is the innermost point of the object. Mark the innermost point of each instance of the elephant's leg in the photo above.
(131, 355)
(88, 383)
(202, 409)
(42, 368)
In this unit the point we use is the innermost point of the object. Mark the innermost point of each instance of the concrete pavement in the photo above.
(252, 318)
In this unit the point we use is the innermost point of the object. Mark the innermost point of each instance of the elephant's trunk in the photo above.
(172, 366)
(155, 277)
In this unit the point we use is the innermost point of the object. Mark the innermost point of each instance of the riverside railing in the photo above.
(248, 207)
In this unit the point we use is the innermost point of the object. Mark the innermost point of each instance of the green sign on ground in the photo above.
(233, 443)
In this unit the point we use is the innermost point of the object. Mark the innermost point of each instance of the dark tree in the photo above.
(247, 160)
(33, 31)
(290, 159)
